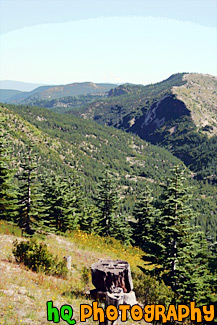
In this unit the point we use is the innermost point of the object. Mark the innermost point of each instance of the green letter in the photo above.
(67, 316)
(52, 313)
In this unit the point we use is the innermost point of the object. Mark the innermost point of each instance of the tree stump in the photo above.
(107, 274)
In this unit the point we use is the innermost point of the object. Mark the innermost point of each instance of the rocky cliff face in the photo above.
(119, 91)
(195, 99)
(199, 94)
(159, 115)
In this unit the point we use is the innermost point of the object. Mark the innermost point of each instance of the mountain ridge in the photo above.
(178, 113)
(18, 85)
(59, 91)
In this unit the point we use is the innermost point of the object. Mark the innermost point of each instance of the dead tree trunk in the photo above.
(113, 282)
(112, 273)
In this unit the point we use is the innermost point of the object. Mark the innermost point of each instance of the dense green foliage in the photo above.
(195, 149)
(35, 256)
(106, 202)
(107, 221)
(151, 291)
(145, 214)
(31, 211)
(62, 198)
(8, 191)
(67, 141)
(174, 245)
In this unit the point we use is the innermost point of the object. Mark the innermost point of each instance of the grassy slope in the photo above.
(23, 293)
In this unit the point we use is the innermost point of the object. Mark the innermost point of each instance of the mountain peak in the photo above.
(199, 93)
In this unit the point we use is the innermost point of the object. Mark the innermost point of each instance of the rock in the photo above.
(130, 298)
(22, 291)
(108, 273)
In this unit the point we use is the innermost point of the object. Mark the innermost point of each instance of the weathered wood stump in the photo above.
(112, 273)
(114, 285)
(68, 262)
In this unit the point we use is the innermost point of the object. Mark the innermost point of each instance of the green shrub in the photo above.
(36, 257)
(86, 275)
(150, 291)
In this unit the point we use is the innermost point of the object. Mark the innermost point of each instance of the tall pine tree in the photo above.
(8, 189)
(31, 211)
(106, 202)
(144, 213)
(108, 221)
(178, 250)
(63, 199)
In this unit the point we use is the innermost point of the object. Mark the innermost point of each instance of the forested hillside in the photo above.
(63, 142)
(67, 141)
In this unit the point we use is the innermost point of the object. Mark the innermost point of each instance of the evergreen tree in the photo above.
(89, 216)
(175, 224)
(181, 254)
(213, 269)
(193, 277)
(144, 213)
(108, 221)
(106, 202)
(8, 189)
(63, 199)
(31, 212)
(121, 230)
(147, 231)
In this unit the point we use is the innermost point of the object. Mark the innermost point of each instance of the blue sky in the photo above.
(59, 42)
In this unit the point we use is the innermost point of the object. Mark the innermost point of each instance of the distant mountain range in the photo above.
(53, 92)
(179, 113)
(18, 85)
